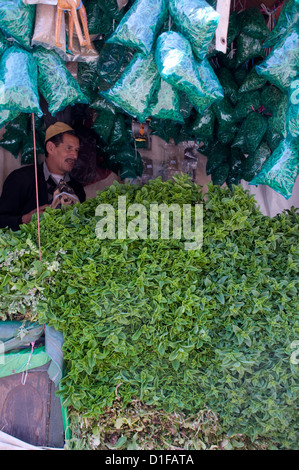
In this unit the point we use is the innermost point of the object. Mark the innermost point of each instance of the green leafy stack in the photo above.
(179, 330)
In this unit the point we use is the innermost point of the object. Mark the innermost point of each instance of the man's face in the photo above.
(61, 159)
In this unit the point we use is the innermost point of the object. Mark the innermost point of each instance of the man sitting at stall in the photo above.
(18, 199)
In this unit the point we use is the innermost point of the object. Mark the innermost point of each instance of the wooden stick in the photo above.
(223, 8)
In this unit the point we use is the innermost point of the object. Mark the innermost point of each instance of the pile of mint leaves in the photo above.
(177, 329)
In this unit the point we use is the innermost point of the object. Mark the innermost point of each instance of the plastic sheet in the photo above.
(281, 169)
(140, 25)
(197, 21)
(292, 117)
(18, 82)
(281, 65)
(17, 20)
(166, 103)
(134, 91)
(55, 82)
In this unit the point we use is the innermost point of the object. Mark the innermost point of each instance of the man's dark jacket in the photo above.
(19, 196)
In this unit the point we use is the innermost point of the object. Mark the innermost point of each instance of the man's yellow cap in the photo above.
(57, 128)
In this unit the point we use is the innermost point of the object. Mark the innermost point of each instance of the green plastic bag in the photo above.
(253, 81)
(248, 102)
(220, 174)
(177, 65)
(140, 25)
(251, 132)
(271, 96)
(224, 112)
(99, 21)
(219, 154)
(197, 21)
(134, 91)
(254, 161)
(211, 86)
(235, 161)
(87, 79)
(125, 160)
(113, 61)
(166, 103)
(17, 21)
(6, 116)
(282, 64)
(18, 82)
(281, 169)
(55, 82)
(248, 48)
(255, 128)
(288, 17)
(252, 23)
(228, 83)
(3, 43)
(277, 130)
(292, 117)
(203, 125)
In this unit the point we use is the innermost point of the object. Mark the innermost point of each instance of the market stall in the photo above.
(171, 108)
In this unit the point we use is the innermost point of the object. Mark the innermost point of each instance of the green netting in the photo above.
(140, 25)
(55, 82)
(281, 169)
(220, 174)
(282, 64)
(17, 20)
(197, 21)
(134, 91)
(18, 82)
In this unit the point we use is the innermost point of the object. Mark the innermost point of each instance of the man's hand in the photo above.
(26, 218)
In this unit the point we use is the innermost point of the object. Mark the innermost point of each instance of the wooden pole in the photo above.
(223, 8)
